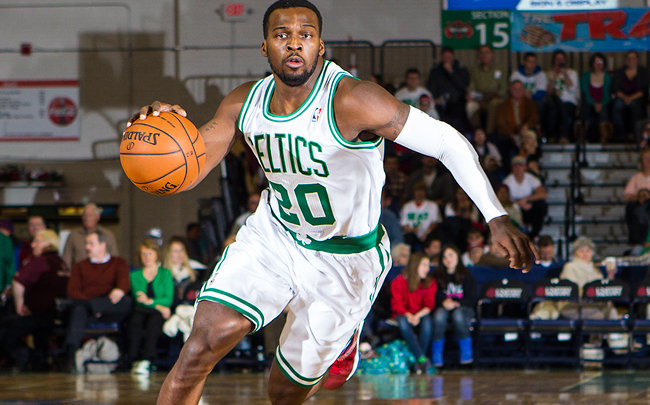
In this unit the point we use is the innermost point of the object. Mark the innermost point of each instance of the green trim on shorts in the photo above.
(292, 374)
(338, 244)
(247, 309)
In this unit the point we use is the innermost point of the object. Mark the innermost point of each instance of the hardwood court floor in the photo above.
(485, 387)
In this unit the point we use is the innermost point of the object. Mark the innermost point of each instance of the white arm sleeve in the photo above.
(440, 140)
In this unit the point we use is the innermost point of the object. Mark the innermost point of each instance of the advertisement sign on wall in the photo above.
(604, 31)
(39, 110)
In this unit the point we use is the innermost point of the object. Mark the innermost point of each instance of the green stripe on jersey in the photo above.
(247, 104)
(305, 105)
(332, 121)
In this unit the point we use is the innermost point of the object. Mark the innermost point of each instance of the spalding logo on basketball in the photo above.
(162, 155)
(62, 111)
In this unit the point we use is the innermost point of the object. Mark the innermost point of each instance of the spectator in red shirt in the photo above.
(98, 287)
(455, 298)
(413, 298)
(35, 288)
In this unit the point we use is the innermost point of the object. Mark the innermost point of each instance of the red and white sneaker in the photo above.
(345, 366)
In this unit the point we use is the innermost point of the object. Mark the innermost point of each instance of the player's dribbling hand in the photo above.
(511, 243)
(155, 109)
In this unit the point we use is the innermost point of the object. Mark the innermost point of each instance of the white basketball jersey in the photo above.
(325, 190)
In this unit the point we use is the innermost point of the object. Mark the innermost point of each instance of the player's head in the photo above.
(292, 40)
(282, 4)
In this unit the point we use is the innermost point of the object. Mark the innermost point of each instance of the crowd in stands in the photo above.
(437, 234)
(96, 286)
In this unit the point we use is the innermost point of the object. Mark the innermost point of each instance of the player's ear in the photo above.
(264, 49)
(321, 48)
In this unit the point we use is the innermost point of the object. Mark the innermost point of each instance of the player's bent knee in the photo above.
(216, 329)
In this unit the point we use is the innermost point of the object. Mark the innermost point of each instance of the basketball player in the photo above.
(314, 244)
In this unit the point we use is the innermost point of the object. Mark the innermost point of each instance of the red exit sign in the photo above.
(235, 9)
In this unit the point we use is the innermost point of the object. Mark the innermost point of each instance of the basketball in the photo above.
(162, 155)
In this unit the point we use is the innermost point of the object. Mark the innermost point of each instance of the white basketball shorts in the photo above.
(327, 295)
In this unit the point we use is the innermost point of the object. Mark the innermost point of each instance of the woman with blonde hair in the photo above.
(178, 262)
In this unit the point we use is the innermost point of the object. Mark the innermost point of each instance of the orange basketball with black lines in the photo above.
(162, 155)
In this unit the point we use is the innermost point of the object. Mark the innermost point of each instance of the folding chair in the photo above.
(640, 325)
(501, 323)
(553, 340)
(603, 291)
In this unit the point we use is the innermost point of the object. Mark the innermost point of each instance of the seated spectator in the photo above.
(528, 144)
(487, 89)
(440, 185)
(512, 208)
(548, 259)
(529, 193)
(561, 99)
(413, 297)
(492, 169)
(35, 223)
(98, 288)
(515, 115)
(389, 220)
(448, 83)
(474, 238)
(7, 264)
(455, 299)
(484, 147)
(432, 247)
(419, 217)
(637, 216)
(535, 82)
(428, 106)
(75, 245)
(581, 270)
(35, 287)
(595, 86)
(640, 179)
(186, 281)
(152, 288)
(412, 91)
(401, 254)
(630, 86)
(462, 206)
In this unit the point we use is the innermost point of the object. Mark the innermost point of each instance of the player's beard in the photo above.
(294, 80)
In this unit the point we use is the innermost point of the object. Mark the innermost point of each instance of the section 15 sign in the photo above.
(471, 29)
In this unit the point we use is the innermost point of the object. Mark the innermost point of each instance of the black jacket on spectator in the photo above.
(464, 293)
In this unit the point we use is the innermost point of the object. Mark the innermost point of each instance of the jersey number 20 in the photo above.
(300, 192)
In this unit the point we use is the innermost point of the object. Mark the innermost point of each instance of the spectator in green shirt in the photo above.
(7, 261)
(152, 287)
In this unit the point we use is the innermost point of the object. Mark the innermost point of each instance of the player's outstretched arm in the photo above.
(219, 134)
(362, 107)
